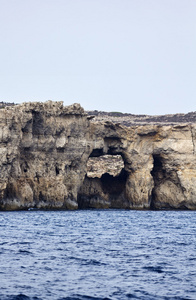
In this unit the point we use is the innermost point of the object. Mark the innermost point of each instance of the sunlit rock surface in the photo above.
(56, 157)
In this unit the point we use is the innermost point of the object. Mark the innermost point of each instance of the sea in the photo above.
(97, 254)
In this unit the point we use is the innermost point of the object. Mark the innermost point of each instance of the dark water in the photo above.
(107, 254)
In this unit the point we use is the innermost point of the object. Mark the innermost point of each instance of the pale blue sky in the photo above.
(136, 56)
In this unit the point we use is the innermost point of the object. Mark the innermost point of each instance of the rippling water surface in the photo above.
(98, 254)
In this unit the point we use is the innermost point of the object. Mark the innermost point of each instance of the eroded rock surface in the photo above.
(46, 147)
(111, 164)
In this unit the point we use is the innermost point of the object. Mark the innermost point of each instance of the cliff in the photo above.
(48, 153)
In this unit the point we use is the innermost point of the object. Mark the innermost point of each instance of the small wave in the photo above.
(48, 269)
(192, 258)
(3, 243)
(94, 262)
(142, 295)
(83, 297)
(52, 257)
(132, 296)
(84, 261)
(157, 269)
(18, 297)
(24, 251)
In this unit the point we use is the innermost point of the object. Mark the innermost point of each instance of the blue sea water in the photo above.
(98, 254)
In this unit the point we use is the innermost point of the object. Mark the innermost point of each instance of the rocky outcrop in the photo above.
(45, 150)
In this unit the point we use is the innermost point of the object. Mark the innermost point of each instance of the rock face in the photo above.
(45, 150)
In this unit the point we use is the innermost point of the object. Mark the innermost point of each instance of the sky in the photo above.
(134, 56)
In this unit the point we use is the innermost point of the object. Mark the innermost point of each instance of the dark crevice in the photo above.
(10, 192)
(24, 167)
(157, 166)
(38, 123)
(114, 185)
(27, 127)
(42, 198)
(158, 173)
(57, 170)
(96, 153)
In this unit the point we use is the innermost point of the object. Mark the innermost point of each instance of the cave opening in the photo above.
(168, 192)
(157, 165)
(104, 183)
(158, 173)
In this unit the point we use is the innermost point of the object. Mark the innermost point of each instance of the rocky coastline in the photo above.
(62, 157)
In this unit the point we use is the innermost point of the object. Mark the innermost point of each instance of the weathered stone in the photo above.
(45, 149)
(111, 164)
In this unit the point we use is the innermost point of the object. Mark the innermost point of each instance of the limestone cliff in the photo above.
(45, 150)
